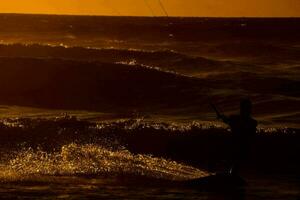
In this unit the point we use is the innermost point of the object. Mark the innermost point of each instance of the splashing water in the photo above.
(90, 159)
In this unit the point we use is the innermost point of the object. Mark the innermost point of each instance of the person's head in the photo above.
(245, 107)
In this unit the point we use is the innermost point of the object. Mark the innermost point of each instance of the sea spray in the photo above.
(94, 160)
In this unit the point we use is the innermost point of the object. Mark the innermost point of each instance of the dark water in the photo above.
(83, 188)
(137, 159)
(156, 75)
(152, 65)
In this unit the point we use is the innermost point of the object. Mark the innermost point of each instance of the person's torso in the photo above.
(243, 128)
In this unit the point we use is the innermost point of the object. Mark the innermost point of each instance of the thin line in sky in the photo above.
(163, 8)
(149, 7)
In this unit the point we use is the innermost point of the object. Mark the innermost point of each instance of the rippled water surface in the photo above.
(113, 188)
(119, 107)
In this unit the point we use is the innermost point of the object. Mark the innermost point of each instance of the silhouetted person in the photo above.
(243, 128)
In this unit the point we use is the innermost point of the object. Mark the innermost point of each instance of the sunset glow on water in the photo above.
(152, 99)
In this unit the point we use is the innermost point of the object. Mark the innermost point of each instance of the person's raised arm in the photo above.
(224, 118)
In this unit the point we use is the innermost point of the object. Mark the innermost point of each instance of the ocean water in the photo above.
(118, 107)
(68, 158)
(152, 66)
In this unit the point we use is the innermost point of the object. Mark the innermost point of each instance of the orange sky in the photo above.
(225, 8)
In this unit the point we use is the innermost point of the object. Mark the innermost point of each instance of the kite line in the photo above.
(163, 8)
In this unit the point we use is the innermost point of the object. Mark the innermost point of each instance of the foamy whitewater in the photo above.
(118, 107)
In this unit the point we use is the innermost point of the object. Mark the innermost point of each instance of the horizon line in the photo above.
(144, 16)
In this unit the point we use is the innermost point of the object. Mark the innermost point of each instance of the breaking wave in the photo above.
(93, 160)
(66, 146)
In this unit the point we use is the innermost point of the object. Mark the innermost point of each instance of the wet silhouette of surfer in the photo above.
(243, 128)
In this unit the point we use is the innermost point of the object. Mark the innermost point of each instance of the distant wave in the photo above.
(271, 52)
(70, 84)
(168, 60)
(125, 80)
(84, 53)
(123, 86)
(165, 59)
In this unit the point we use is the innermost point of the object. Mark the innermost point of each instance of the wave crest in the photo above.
(91, 159)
